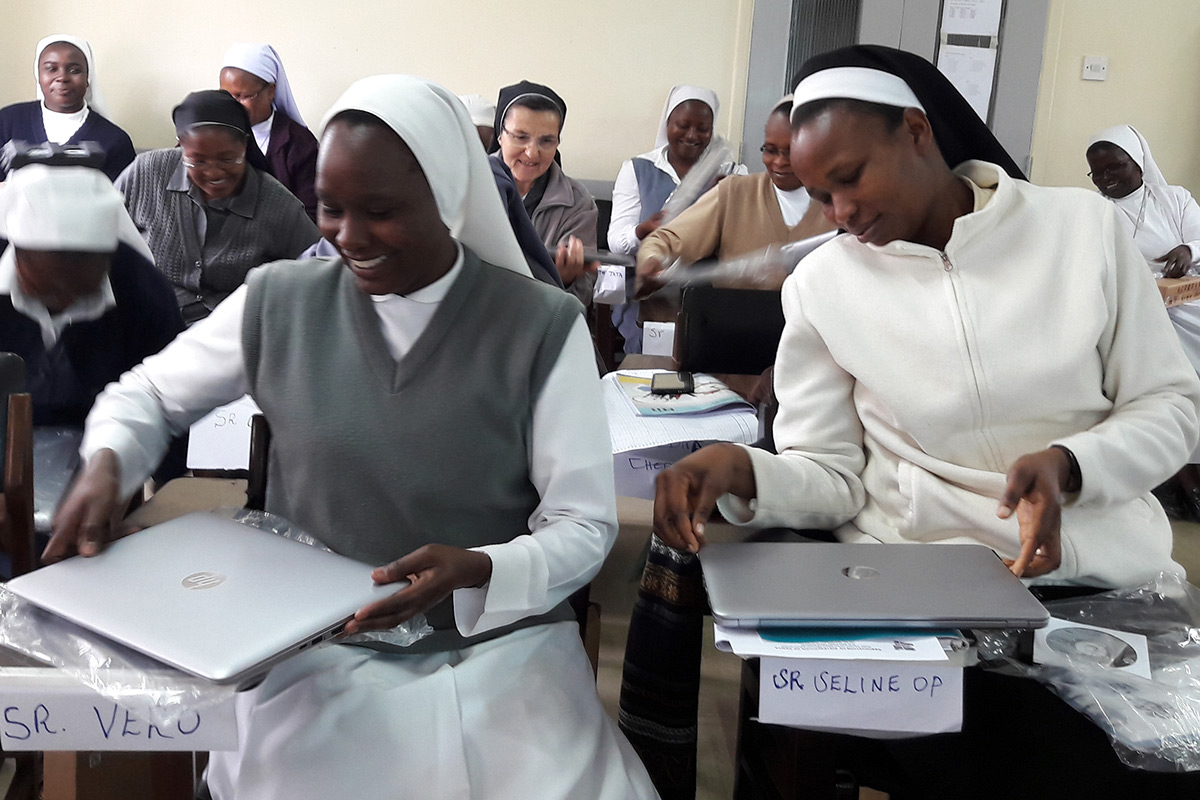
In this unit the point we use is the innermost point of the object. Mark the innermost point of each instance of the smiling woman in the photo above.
(70, 108)
(529, 123)
(434, 411)
(209, 209)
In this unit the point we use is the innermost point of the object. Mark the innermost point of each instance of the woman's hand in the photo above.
(686, 493)
(1034, 490)
(646, 282)
(649, 226)
(434, 571)
(90, 515)
(1176, 262)
(568, 259)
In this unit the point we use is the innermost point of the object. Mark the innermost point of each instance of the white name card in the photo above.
(221, 439)
(658, 338)
(879, 699)
(636, 470)
(43, 709)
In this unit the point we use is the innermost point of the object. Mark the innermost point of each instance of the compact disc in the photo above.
(1094, 647)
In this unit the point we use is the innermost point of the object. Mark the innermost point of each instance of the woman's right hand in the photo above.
(649, 226)
(1176, 261)
(90, 515)
(686, 493)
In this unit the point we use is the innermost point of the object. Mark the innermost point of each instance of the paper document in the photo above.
(631, 431)
(709, 394)
(808, 643)
(221, 438)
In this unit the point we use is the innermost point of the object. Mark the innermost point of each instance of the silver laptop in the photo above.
(207, 595)
(823, 585)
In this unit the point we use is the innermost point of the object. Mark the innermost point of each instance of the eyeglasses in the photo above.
(523, 140)
(247, 98)
(224, 163)
(1101, 174)
(774, 152)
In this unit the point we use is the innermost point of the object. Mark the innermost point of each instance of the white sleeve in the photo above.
(814, 481)
(626, 211)
(575, 524)
(1189, 222)
(159, 398)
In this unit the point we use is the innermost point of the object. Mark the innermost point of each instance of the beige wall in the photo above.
(612, 62)
(1153, 49)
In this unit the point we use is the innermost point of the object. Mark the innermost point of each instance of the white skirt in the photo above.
(1186, 319)
(513, 718)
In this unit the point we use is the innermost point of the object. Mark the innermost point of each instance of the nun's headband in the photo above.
(855, 83)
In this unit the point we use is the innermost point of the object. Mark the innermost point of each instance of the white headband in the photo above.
(855, 83)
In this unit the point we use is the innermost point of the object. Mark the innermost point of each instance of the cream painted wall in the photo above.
(1153, 49)
(612, 62)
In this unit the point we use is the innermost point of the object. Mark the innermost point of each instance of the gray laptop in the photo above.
(207, 595)
(823, 585)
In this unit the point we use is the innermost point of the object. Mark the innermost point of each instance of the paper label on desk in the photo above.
(636, 470)
(46, 710)
(867, 698)
(221, 438)
(658, 338)
(830, 644)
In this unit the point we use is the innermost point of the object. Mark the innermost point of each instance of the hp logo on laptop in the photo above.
(202, 580)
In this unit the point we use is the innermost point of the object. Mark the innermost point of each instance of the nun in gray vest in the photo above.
(434, 411)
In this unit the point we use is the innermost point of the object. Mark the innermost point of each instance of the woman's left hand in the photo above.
(1176, 262)
(568, 260)
(1034, 491)
(434, 571)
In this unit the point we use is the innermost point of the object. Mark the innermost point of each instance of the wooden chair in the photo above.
(16, 526)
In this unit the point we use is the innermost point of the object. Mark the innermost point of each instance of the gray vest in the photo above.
(654, 187)
(377, 458)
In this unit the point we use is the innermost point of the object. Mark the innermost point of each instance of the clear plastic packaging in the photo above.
(55, 459)
(1153, 724)
(766, 268)
(154, 691)
(714, 163)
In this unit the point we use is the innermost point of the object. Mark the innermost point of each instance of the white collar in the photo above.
(52, 326)
(61, 126)
(262, 132)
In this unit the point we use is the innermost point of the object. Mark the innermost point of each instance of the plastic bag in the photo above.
(145, 686)
(55, 459)
(610, 285)
(403, 635)
(1153, 724)
(767, 267)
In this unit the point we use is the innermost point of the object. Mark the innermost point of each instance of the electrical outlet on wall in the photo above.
(1095, 68)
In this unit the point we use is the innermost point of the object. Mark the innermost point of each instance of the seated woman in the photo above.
(1164, 221)
(644, 182)
(80, 299)
(741, 214)
(70, 108)
(433, 410)
(254, 75)
(528, 127)
(209, 208)
(977, 359)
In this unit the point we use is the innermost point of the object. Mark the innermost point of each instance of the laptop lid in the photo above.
(771, 584)
(207, 595)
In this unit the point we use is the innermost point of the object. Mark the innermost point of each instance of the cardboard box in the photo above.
(1177, 291)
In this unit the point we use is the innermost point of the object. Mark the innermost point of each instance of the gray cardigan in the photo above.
(265, 222)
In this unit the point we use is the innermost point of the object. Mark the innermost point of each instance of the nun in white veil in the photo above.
(499, 701)
(70, 108)
(253, 73)
(1164, 221)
